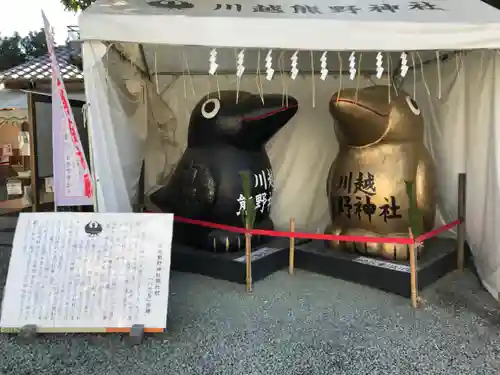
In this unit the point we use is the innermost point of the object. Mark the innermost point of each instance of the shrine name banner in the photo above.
(72, 178)
(88, 272)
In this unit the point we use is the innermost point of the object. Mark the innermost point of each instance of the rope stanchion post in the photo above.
(462, 182)
(413, 271)
(413, 243)
(248, 220)
(248, 259)
(291, 264)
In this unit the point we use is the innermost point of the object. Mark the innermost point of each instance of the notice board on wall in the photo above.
(42, 121)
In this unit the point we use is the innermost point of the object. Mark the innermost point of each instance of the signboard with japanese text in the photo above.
(88, 272)
(72, 180)
(353, 8)
(395, 25)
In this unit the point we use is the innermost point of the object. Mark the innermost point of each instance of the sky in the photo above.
(25, 15)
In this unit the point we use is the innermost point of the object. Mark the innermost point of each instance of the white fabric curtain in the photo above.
(463, 135)
(458, 100)
(117, 127)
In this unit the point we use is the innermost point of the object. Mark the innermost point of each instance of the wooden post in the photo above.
(413, 272)
(291, 263)
(248, 220)
(462, 183)
(35, 193)
(248, 259)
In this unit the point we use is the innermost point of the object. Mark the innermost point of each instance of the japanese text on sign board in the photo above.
(304, 8)
(352, 205)
(73, 277)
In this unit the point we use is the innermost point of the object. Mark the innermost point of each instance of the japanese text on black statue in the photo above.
(413, 6)
(356, 200)
(262, 180)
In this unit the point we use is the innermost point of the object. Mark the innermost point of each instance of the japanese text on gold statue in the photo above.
(357, 202)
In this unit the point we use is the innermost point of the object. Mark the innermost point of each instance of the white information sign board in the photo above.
(87, 272)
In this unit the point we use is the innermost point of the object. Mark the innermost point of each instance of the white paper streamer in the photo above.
(240, 68)
(404, 64)
(352, 66)
(324, 66)
(294, 71)
(380, 63)
(269, 65)
(213, 62)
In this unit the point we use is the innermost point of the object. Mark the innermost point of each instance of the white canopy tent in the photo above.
(146, 65)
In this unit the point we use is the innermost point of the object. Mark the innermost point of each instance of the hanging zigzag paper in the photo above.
(404, 64)
(295, 71)
(380, 63)
(352, 66)
(213, 62)
(269, 64)
(240, 69)
(324, 66)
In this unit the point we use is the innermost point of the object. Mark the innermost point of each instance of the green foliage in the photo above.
(34, 44)
(415, 215)
(10, 52)
(15, 50)
(249, 214)
(76, 5)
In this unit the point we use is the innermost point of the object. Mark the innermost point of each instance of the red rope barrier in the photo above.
(208, 224)
(319, 236)
(332, 237)
(436, 231)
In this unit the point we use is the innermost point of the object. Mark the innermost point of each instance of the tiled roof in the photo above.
(39, 68)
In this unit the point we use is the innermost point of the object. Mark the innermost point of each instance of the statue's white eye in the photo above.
(210, 108)
(413, 105)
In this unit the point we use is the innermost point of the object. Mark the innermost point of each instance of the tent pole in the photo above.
(144, 61)
(94, 179)
(142, 181)
(462, 183)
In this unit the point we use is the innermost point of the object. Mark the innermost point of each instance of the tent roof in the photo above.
(334, 25)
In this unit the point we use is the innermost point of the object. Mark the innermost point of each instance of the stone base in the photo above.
(266, 259)
(438, 258)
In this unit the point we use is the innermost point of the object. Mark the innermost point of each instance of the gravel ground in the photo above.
(302, 325)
